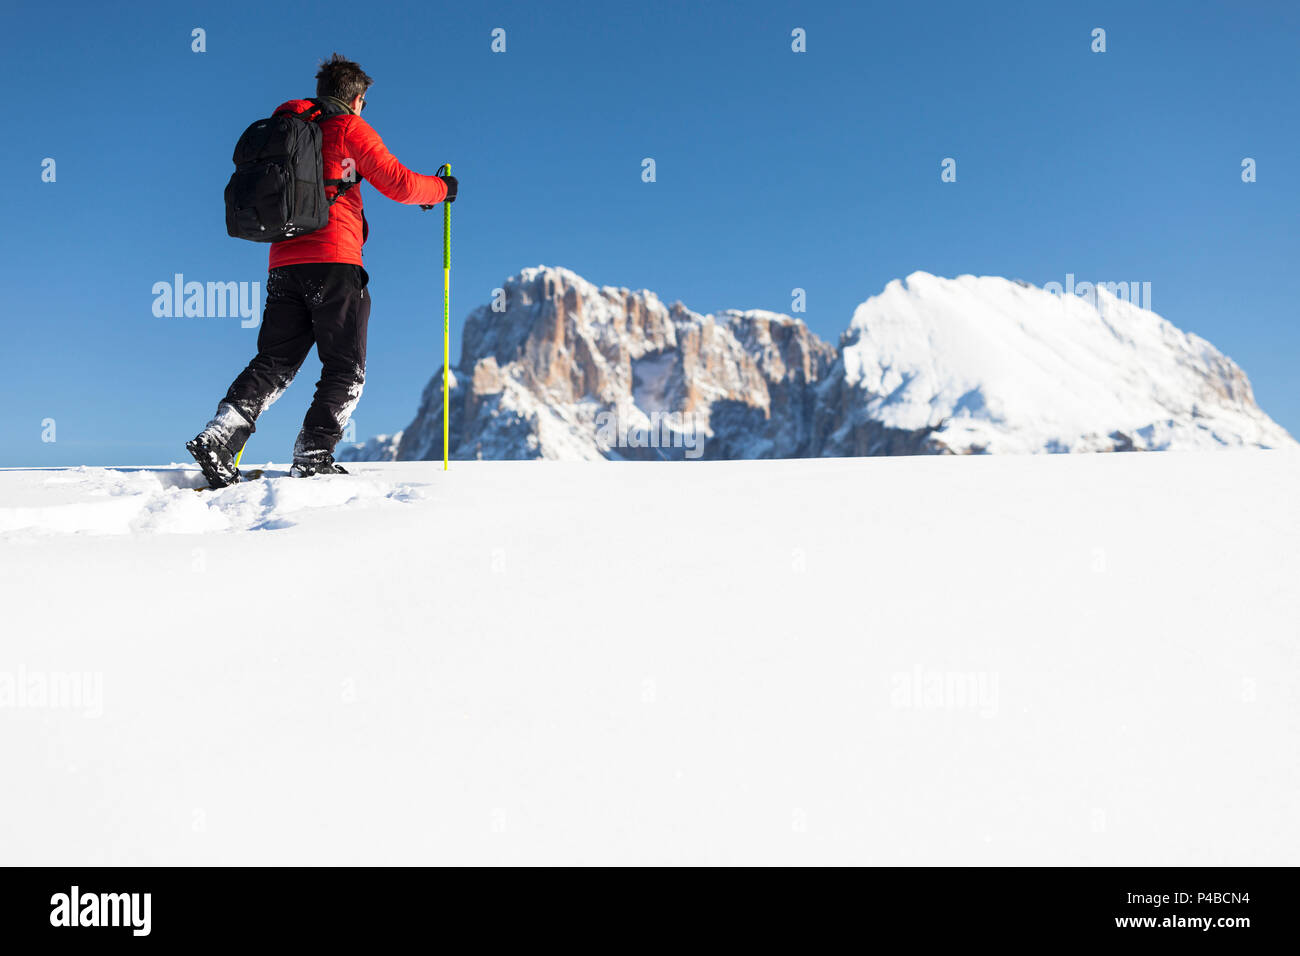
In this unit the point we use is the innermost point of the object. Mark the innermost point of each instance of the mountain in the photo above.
(376, 448)
(563, 369)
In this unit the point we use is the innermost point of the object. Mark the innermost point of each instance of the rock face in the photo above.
(930, 366)
(572, 371)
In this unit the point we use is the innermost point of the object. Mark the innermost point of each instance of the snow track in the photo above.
(118, 501)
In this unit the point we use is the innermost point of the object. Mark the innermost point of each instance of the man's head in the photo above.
(342, 79)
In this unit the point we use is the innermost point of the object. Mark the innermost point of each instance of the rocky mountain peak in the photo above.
(557, 367)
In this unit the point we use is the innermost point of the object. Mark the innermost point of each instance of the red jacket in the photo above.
(342, 137)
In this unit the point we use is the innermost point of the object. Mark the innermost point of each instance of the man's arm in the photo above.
(383, 171)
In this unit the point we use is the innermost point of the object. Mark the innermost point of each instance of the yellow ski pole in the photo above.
(446, 314)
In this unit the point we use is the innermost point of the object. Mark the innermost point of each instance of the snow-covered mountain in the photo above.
(375, 448)
(1004, 366)
(569, 370)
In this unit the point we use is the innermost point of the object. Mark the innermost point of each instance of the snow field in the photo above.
(1017, 659)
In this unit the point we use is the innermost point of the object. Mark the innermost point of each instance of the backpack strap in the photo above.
(317, 111)
(309, 114)
(328, 109)
(342, 186)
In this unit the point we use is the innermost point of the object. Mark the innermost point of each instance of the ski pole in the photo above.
(240, 455)
(446, 313)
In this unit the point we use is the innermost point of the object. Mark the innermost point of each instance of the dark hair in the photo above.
(341, 78)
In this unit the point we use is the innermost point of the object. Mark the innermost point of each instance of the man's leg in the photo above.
(283, 341)
(340, 314)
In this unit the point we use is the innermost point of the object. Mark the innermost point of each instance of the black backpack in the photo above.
(278, 188)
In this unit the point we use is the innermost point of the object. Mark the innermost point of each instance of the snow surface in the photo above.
(1013, 368)
(173, 500)
(956, 660)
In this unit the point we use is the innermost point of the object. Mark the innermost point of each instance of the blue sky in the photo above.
(775, 170)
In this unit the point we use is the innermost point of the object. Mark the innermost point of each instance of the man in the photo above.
(316, 289)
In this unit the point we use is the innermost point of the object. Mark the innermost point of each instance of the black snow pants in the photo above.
(321, 303)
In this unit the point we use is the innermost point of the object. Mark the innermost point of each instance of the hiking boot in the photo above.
(215, 460)
(317, 466)
(215, 447)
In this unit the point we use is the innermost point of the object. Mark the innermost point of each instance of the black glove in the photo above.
(452, 183)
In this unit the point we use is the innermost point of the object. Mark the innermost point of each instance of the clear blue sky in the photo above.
(775, 170)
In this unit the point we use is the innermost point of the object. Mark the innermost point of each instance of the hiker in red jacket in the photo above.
(316, 288)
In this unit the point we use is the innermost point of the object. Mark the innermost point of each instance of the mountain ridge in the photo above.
(564, 369)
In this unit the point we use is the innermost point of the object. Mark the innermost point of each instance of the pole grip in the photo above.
(446, 223)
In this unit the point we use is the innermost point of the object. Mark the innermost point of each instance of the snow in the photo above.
(959, 660)
(650, 381)
(1014, 368)
(169, 501)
